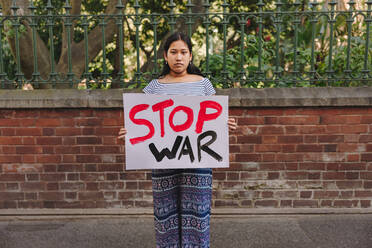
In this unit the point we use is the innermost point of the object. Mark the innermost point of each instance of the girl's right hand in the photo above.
(122, 133)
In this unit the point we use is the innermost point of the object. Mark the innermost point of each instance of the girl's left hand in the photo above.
(232, 124)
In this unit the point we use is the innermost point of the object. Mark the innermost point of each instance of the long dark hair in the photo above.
(191, 69)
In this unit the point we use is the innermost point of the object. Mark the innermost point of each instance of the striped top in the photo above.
(203, 87)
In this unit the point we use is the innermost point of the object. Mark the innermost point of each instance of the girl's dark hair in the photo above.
(191, 69)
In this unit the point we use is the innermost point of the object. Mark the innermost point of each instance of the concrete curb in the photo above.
(149, 212)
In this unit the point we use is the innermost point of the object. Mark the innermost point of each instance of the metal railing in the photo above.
(302, 45)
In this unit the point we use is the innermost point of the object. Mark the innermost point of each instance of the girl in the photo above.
(181, 208)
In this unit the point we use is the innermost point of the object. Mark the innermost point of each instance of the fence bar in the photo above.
(224, 23)
(105, 74)
(68, 25)
(259, 72)
(16, 24)
(349, 22)
(50, 25)
(368, 21)
(242, 39)
(189, 22)
(206, 23)
(278, 21)
(155, 25)
(296, 24)
(313, 22)
(35, 74)
(172, 21)
(2, 71)
(119, 22)
(137, 23)
(331, 22)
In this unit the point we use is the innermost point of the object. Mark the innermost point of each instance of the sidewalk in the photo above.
(236, 231)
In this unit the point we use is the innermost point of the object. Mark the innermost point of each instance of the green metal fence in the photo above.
(294, 44)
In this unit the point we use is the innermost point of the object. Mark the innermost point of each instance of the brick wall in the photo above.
(281, 157)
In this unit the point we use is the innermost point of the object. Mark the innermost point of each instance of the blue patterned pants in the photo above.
(182, 205)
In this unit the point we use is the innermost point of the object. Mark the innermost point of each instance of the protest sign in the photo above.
(168, 131)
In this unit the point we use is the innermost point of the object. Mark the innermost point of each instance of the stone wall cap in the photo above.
(238, 97)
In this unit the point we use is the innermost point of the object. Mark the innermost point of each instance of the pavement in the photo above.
(236, 231)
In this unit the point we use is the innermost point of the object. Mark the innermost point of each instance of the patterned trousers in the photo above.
(182, 205)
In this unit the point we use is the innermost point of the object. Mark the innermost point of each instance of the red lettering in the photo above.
(188, 122)
(132, 113)
(160, 107)
(203, 116)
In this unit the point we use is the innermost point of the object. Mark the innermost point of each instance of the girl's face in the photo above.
(178, 57)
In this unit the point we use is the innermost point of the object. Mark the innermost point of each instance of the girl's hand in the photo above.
(122, 133)
(232, 124)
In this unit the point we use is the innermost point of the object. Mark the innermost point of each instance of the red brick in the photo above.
(10, 141)
(271, 130)
(89, 140)
(333, 119)
(365, 203)
(365, 138)
(226, 203)
(290, 139)
(266, 203)
(349, 184)
(12, 178)
(299, 120)
(312, 166)
(48, 122)
(366, 175)
(271, 166)
(89, 122)
(366, 157)
(49, 141)
(268, 148)
(107, 149)
(330, 138)
(367, 184)
(29, 131)
(28, 149)
(248, 157)
(88, 159)
(48, 158)
(309, 148)
(345, 203)
(366, 119)
(250, 120)
(53, 177)
(10, 196)
(333, 175)
(305, 203)
(84, 196)
(363, 193)
(267, 139)
(68, 131)
(325, 194)
(306, 194)
(354, 129)
(296, 175)
(249, 139)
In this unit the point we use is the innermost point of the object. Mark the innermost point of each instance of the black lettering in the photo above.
(165, 152)
(188, 150)
(205, 147)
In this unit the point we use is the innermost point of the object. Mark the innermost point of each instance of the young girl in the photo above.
(181, 208)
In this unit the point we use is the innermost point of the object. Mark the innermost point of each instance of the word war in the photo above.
(187, 148)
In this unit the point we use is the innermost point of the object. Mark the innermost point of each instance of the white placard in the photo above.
(168, 131)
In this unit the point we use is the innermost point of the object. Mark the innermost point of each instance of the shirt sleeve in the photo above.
(149, 89)
(208, 87)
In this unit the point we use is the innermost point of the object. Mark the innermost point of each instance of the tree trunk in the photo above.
(43, 53)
